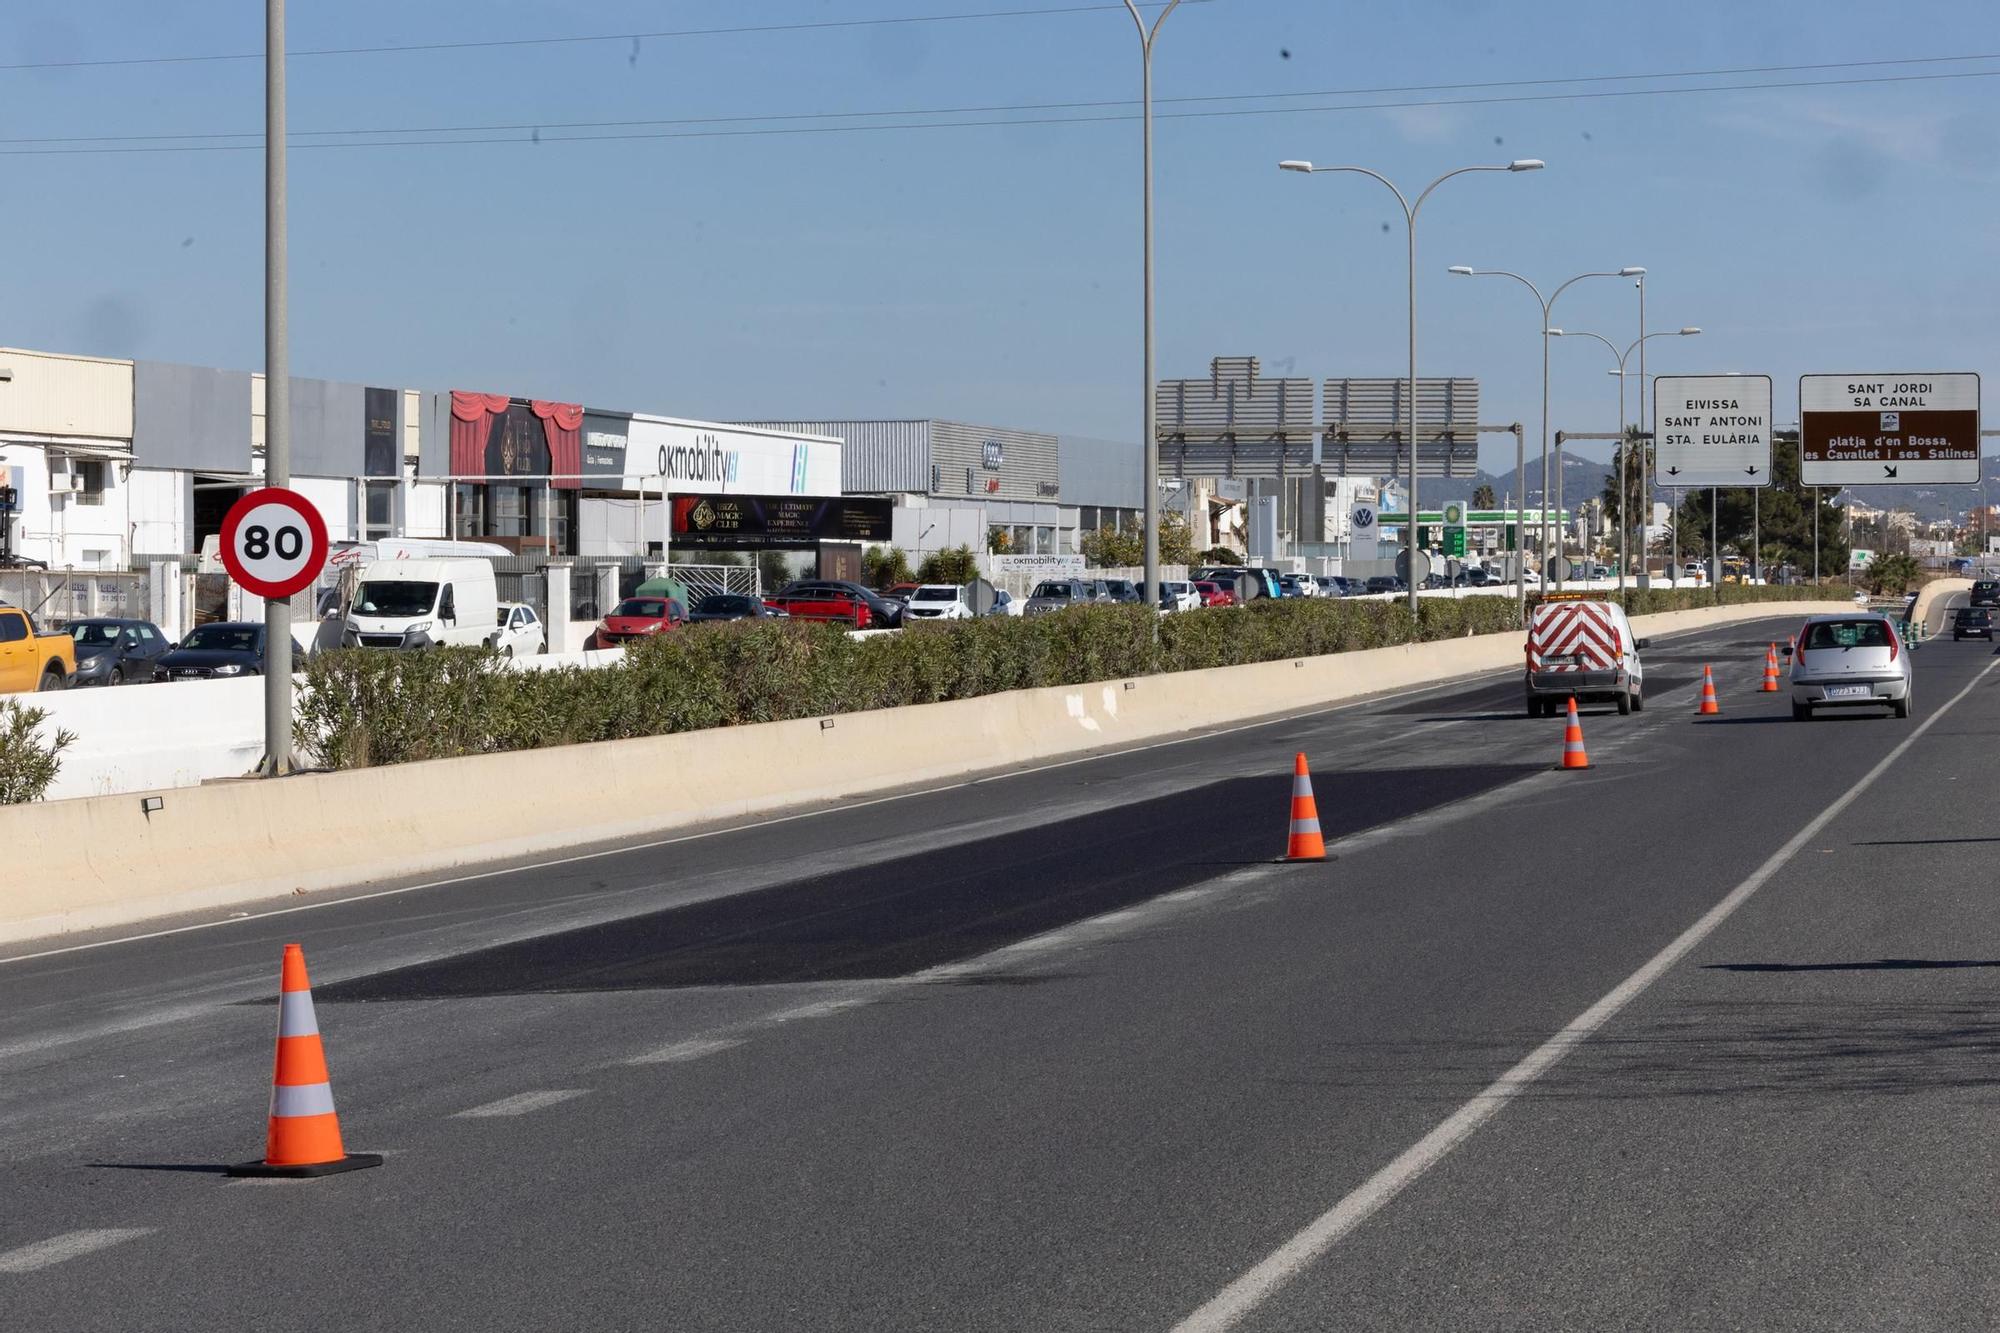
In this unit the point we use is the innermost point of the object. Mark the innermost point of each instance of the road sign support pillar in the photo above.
(277, 759)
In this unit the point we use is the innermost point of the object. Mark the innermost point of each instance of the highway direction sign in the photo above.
(1711, 430)
(273, 542)
(1889, 429)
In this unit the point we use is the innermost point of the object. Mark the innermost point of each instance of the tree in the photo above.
(998, 540)
(957, 565)
(1125, 547)
(774, 569)
(1221, 555)
(1891, 575)
(1484, 498)
(882, 566)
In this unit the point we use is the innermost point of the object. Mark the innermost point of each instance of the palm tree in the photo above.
(1484, 498)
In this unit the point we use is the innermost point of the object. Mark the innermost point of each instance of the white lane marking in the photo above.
(57, 1249)
(521, 1103)
(237, 918)
(686, 1050)
(819, 1009)
(1254, 1287)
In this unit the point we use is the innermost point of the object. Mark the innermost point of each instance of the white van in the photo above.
(1580, 646)
(424, 604)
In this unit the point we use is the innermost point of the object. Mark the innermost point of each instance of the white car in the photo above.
(937, 601)
(521, 633)
(1179, 595)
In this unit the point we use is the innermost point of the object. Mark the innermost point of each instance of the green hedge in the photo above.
(361, 708)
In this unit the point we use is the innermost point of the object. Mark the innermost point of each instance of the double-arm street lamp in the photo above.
(1410, 210)
(1548, 304)
(1624, 444)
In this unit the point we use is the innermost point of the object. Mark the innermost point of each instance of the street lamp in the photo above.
(1624, 484)
(1410, 225)
(1147, 36)
(1548, 308)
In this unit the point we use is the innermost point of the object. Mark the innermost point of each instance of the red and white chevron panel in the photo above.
(1582, 632)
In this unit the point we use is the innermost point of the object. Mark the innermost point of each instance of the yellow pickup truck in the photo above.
(31, 661)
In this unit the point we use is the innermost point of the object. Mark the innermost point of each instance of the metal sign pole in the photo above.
(277, 391)
(1715, 542)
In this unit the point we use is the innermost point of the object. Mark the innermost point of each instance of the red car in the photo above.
(833, 599)
(637, 617)
(1214, 594)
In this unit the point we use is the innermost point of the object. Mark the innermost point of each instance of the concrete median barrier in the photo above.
(109, 860)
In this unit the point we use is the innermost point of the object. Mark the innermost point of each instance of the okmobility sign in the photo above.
(703, 460)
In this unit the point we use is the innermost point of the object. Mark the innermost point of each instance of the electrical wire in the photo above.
(546, 131)
(573, 40)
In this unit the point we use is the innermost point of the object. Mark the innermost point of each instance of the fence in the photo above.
(55, 597)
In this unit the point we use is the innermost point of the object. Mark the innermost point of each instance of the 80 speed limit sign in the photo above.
(273, 542)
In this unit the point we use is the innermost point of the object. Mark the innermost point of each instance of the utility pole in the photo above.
(277, 391)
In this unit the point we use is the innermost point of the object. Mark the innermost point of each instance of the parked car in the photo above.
(838, 600)
(1178, 595)
(1380, 583)
(1290, 585)
(1967, 622)
(1122, 590)
(113, 651)
(899, 593)
(938, 601)
(1850, 661)
(1214, 594)
(1058, 594)
(637, 618)
(29, 660)
(1006, 604)
(733, 606)
(424, 603)
(521, 632)
(219, 649)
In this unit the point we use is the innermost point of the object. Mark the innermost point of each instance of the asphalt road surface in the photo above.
(1702, 1037)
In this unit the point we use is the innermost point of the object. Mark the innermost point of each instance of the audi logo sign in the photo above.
(990, 455)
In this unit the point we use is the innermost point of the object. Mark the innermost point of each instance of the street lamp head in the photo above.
(1526, 164)
(1632, 271)
(1293, 164)
(1462, 270)
(1689, 331)
(1553, 333)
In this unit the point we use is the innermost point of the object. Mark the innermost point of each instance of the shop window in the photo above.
(380, 509)
(1045, 541)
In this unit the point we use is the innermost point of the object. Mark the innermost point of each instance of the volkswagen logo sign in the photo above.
(1364, 517)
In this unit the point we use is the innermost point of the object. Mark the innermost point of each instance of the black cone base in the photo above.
(354, 1161)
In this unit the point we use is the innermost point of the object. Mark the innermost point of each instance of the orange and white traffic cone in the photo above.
(1709, 703)
(1574, 755)
(304, 1135)
(1306, 843)
(1770, 685)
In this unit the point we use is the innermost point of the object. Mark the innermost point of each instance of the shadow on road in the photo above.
(1879, 965)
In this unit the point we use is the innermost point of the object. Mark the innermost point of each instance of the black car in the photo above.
(224, 648)
(733, 606)
(1986, 592)
(1970, 622)
(113, 651)
(1385, 583)
(1122, 590)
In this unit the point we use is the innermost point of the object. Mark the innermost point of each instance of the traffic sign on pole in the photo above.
(1712, 430)
(273, 543)
(1889, 429)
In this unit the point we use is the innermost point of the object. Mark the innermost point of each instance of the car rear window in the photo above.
(1848, 634)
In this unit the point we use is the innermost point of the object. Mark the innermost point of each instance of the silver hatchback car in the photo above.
(1850, 661)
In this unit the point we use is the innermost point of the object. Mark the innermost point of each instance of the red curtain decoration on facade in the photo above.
(471, 422)
(563, 424)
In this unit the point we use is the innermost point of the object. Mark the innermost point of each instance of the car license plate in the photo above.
(1848, 692)
(1560, 659)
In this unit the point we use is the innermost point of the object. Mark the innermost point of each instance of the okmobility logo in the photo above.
(704, 460)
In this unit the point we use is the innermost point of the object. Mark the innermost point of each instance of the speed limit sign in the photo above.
(273, 542)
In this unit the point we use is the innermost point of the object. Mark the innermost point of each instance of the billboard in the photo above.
(735, 522)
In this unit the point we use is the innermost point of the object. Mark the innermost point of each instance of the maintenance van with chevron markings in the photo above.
(1580, 646)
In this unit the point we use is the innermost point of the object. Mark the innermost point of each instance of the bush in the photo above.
(360, 708)
(28, 762)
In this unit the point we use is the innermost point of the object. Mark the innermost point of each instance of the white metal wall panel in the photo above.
(876, 456)
(1028, 468)
(49, 394)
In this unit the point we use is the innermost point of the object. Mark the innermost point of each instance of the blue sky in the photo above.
(990, 272)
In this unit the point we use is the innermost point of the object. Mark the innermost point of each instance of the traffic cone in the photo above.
(1708, 700)
(304, 1135)
(1770, 685)
(1574, 755)
(1306, 843)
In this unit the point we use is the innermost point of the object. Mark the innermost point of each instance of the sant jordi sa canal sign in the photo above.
(1889, 429)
